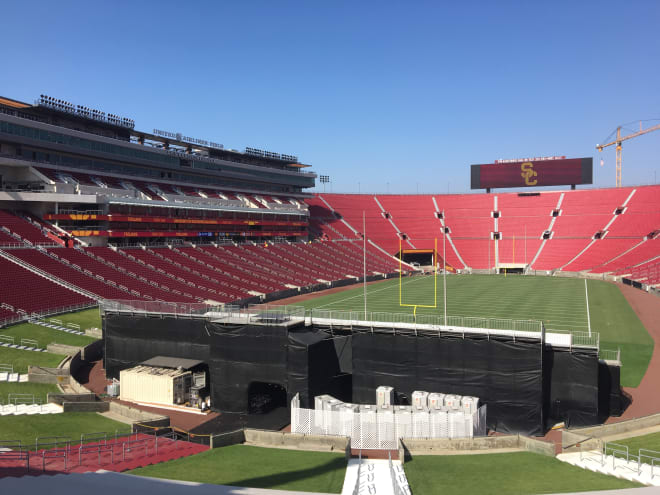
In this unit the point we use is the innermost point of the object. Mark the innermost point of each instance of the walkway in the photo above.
(122, 454)
(614, 466)
(375, 477)
(110, 483)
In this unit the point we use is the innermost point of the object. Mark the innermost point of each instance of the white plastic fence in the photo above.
(381, 430)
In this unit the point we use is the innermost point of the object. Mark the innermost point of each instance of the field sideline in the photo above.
(561, 303)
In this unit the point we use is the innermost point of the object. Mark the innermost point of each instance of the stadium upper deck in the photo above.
(99, 178)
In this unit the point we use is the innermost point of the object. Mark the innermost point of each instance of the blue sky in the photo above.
(398, 96)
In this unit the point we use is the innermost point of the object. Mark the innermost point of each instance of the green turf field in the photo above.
(22, 359)
(649, 442)
(40, 390)
(517, 473)
(87, 318)
(28, 428)
(256, 467)
(45, 335)
(561, 303)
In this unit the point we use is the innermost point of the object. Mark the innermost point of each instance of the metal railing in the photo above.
(651, 455)
(24, 399)
(29, 343)
(621, 452)
(60, 447)
(396, 488)
(47, 312)
(260, 312)
(356, 488)
(610, 354)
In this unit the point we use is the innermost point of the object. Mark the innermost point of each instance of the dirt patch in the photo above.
(646, 397)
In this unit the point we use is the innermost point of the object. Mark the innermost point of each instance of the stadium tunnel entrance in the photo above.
(512, 268)
(423, 257)
(265, 397)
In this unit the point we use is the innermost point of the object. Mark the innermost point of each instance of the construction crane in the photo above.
(619, 139)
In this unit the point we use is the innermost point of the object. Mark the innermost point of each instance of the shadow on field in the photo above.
(279, 479)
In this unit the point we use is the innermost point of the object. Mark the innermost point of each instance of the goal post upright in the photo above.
(435, 280)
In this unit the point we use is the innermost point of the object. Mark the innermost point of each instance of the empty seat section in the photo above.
(71, 275)
(414, 215)
(170, 261)
(234, 270)
(641, 253)
(110, 273)
(33, 293)
(23, 228)
(641, 216)
(7, 239)
(149, 273)
(351, 208)
(600, 252)
(558, 252)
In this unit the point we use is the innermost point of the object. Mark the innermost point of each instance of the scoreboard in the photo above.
(532, 173)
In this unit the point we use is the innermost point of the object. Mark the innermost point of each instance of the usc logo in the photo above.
(528, 172)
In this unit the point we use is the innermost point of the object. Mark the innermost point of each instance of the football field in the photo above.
(560, 303)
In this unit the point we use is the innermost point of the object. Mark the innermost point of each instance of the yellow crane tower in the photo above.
(619, 139)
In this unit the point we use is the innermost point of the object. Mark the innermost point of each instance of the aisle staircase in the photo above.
(118, 455)
(375, 477)
(615, 465)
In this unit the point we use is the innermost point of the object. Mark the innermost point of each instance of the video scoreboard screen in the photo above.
(532, 173)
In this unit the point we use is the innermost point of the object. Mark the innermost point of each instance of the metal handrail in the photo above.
(127, 446)
(58, 441)
(356, 489)
(53, 454)
(98, 448)
(652, 458)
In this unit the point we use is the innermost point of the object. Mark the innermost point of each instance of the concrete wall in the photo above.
(574, 442)
(617, 428)
(138, 416)
(67, 350)
(536, 446)
(97, 333)
(86, 406)
(444, 446)
(418, 446)
(61, 398)
(225, 439)
(38, 374)
(295, 441)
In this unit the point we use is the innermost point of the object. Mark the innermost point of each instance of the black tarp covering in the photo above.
(236, 355)
(296, 358)
(572, 395)
(504, 374)
(241, 355)
(522, 384)
(130, 340)
(317, 365)
(611, 398)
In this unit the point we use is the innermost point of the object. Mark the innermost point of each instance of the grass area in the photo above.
(45, 335)
(87, 318)
(37, 389)
(22, 359)
(256, 467)
(507, 474)
(559, 302)
(649, 442)
(619, 326)
(28, 428)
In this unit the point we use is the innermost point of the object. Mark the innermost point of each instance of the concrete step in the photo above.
(619, 468)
